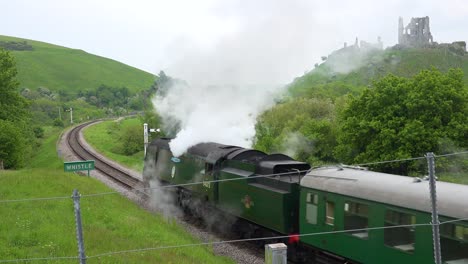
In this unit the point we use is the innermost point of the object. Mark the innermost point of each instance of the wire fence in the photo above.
(68, 258)
(233, 241)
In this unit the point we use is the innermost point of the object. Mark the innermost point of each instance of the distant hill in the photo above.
(347, 71)
(54, 67)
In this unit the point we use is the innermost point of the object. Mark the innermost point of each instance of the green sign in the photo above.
(79, 165)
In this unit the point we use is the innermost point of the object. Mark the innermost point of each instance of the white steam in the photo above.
(296, 143)
(223, 114)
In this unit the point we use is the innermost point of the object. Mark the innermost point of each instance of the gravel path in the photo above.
(239, 252)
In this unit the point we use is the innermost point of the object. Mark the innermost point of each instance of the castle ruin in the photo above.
(416, 34)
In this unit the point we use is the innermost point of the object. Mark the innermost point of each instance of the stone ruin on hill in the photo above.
(418, 34)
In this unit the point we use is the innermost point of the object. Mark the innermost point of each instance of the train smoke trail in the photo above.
(224, 114)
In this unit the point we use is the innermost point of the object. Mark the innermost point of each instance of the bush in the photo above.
(12, 145)
(132, 140)
(58, 122)
(38, 132)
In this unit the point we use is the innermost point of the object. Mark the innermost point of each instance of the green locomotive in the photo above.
(271, 202)
(285, 196)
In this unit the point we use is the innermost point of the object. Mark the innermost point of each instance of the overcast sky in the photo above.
(256, 41)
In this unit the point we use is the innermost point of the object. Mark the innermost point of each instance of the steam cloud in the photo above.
(223, 114)
(295, 143)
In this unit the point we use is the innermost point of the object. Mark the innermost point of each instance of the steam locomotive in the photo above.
(337, 212)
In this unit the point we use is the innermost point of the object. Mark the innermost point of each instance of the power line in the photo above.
(233, 241)
(410, 159)
(35, 199)
(389, 161)
(37, 259)
(254, 239)
(452, 154)
(222, 180)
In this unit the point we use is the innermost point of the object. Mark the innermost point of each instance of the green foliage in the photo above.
(12, 145)
(58, 122)
(329, 79)
(302, 128)
(38, 132)
(132, 139)
(13, 45)
(14, 117)
(405, 117)
(13, 107)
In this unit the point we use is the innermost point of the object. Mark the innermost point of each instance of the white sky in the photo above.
(256, 41)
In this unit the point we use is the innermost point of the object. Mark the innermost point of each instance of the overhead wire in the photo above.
(234, 241)
(221, 180)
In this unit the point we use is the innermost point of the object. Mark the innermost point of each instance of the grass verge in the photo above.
(105, 138)
(46, 228)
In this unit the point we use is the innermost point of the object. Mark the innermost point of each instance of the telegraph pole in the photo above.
(71, 114)
(435, 217)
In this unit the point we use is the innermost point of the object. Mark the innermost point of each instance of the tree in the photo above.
(400, 118)
(13, 106)
(12, 145)
(302, 128)
(14, 116)
(132, 140)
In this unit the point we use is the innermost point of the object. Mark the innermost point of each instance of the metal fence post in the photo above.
(79, 229)
(435, 217)
(276, 253)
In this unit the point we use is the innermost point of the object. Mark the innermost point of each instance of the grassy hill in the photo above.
(349, 71)
(59, 68)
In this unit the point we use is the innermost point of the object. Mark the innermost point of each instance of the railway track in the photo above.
(129, 182)
(81, 151)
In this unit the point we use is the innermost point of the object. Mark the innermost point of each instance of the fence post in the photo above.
(79, 229)
(435, 217)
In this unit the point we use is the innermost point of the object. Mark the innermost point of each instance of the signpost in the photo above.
(79, 166)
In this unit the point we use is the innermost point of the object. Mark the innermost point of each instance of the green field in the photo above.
(59, 68)
(104, 137)
(46, 228)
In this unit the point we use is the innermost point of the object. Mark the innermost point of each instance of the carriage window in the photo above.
(454, 243)
(454, 231)
(330, 213)
(356, 217)
(208, 168)
(401, 238)
(311, 208)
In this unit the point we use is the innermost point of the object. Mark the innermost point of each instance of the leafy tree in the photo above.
(132, 140)
(303, 128)
(14, 117)
(13, 106)
(12, 145)
(58, 122)
(400, 118)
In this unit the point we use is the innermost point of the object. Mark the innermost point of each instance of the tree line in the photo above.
(394, 118)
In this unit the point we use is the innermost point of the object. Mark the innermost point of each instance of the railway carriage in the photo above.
(340, 198)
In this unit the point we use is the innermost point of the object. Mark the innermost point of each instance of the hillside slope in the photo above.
(59, 68)
(346, 72)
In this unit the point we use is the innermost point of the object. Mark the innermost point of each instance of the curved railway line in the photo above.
(80, 150)
(127, 181)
